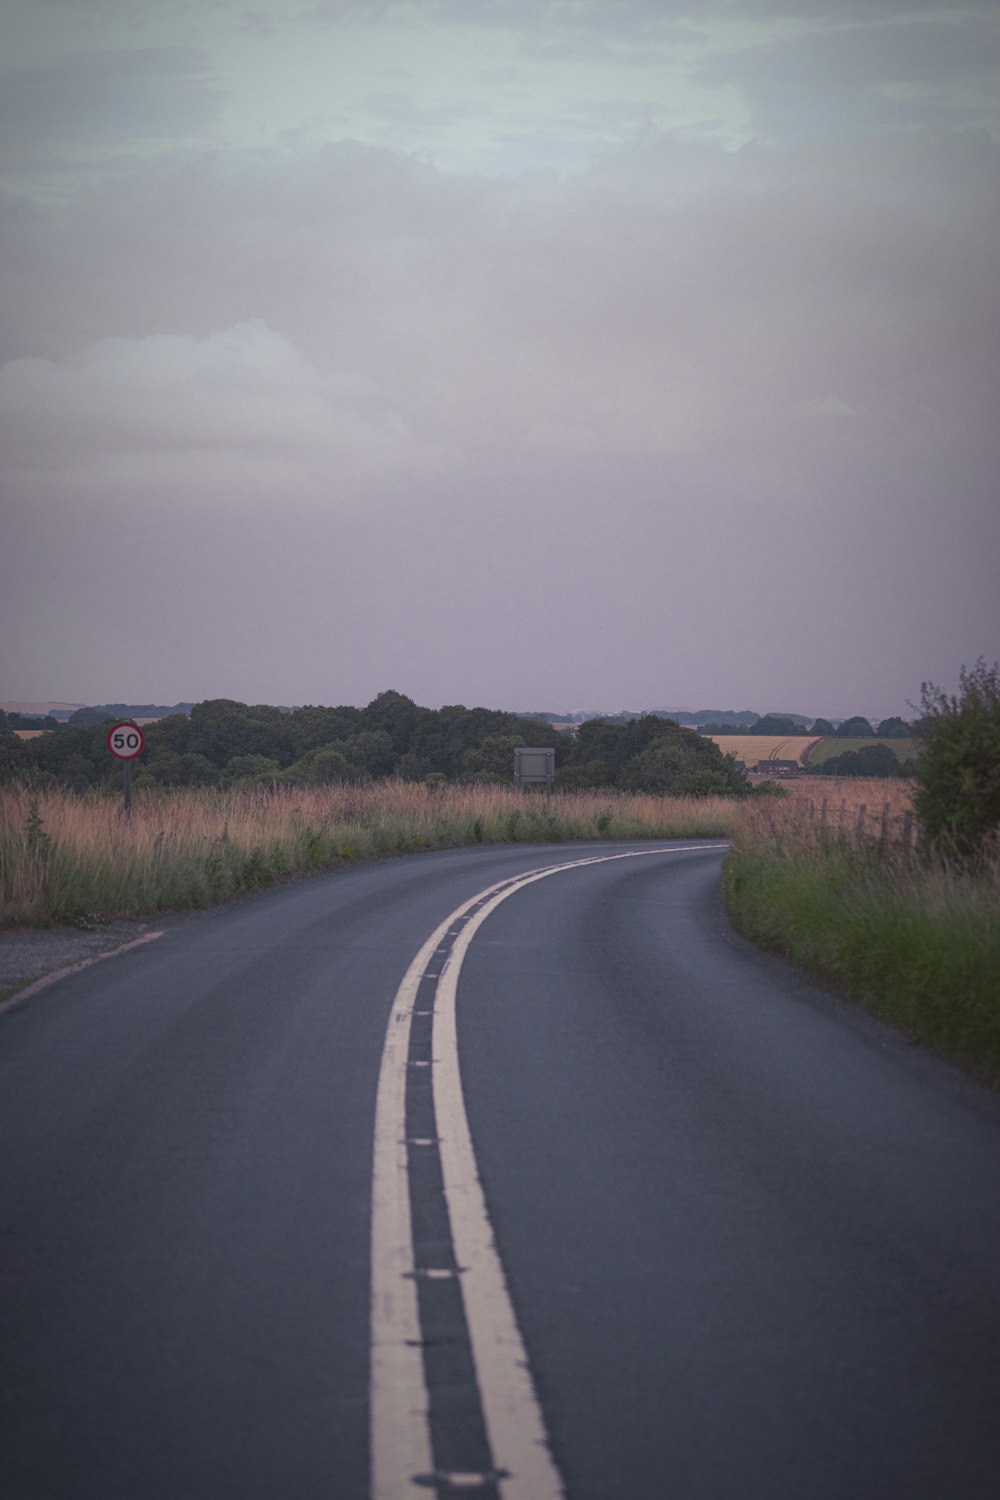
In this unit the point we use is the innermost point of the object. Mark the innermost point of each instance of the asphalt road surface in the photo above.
(672, 1224)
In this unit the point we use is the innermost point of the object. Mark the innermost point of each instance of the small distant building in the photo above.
(778, 767)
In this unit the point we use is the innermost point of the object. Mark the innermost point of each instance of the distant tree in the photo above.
(855, 728)
(777, 724)
(222, 728)
(493, 760)
(893, 729)
(251, 768)
(394, 713)
(167, 768)
(320, 767)
(658, 768)
(369, 754)
(591, 776)
(171, 733)
(702, 784)
(958, 766)
(16, 763)
(822, 727)
(313, 726)
(78, 772)
(870, 760)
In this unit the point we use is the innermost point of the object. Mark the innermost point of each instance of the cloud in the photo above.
(854, 79)
(111, 97)
(237, 408)
(644, 410)
(672, 299)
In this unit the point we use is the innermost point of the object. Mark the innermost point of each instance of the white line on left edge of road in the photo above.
(399, 1403)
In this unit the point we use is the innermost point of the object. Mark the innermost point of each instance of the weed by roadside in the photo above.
(64, 854)
(917, 940)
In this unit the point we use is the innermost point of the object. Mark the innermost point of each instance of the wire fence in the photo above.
(869, 827)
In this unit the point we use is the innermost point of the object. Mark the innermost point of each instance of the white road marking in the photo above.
(399, 1402)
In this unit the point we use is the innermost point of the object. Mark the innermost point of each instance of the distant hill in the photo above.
(97, 713)
(48, 709)
(691, 717)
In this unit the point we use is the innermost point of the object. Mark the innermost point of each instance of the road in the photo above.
(733, 1237)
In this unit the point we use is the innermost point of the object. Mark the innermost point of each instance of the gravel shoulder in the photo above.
(29, 954)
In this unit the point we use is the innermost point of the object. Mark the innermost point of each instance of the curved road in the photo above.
(742, 1240)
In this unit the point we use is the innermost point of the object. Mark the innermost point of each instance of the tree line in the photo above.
(854, 728)
(222, 742)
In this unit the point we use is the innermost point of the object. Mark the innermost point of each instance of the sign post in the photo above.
(535, 765)
(126, 741)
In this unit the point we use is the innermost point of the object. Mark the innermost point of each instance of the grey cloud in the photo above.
(109, 98)
(637, 411)
(835, 81)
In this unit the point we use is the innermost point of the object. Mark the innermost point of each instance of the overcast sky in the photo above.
(550, 354)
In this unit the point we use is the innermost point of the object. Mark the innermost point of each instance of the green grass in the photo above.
(830, 746)
(917, 944)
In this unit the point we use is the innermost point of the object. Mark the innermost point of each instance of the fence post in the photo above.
(883, 837)
(862, 813)
(907, 834)
(822, 815)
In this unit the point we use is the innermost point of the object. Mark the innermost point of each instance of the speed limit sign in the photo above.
(126, 741)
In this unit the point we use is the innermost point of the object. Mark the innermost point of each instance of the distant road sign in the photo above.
(534, 765)
(126, 741)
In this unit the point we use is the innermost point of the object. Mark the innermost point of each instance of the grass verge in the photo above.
(917, 943)
(71, 858)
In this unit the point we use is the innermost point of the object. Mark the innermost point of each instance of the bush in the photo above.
(958, 765)
(870, 760)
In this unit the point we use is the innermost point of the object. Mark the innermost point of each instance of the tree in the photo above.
(822, 727)
(777, 724)
(869, 760)
(369, 754)
(252, 769)
(958, 765)
(893, 729)
(168, 768)
(493, 760)
(856, 728)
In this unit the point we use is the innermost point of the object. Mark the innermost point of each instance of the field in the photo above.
(807, 749)
(751, 748)
(828, 747)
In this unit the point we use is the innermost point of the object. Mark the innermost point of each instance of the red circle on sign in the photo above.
(126, 741)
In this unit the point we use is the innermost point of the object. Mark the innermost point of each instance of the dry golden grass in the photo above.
(823, 809)
(65, 856)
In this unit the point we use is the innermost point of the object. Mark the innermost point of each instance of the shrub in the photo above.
(958, 766)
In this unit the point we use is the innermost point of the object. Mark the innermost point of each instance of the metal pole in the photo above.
(128, 790)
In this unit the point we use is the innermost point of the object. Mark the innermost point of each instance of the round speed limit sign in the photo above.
(126, 741)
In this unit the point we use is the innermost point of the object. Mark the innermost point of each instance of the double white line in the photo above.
(401, 1448)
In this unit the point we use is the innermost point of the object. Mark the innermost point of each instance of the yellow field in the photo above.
(754, 747)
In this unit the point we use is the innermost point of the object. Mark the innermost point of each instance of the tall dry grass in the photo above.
(67, 857)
